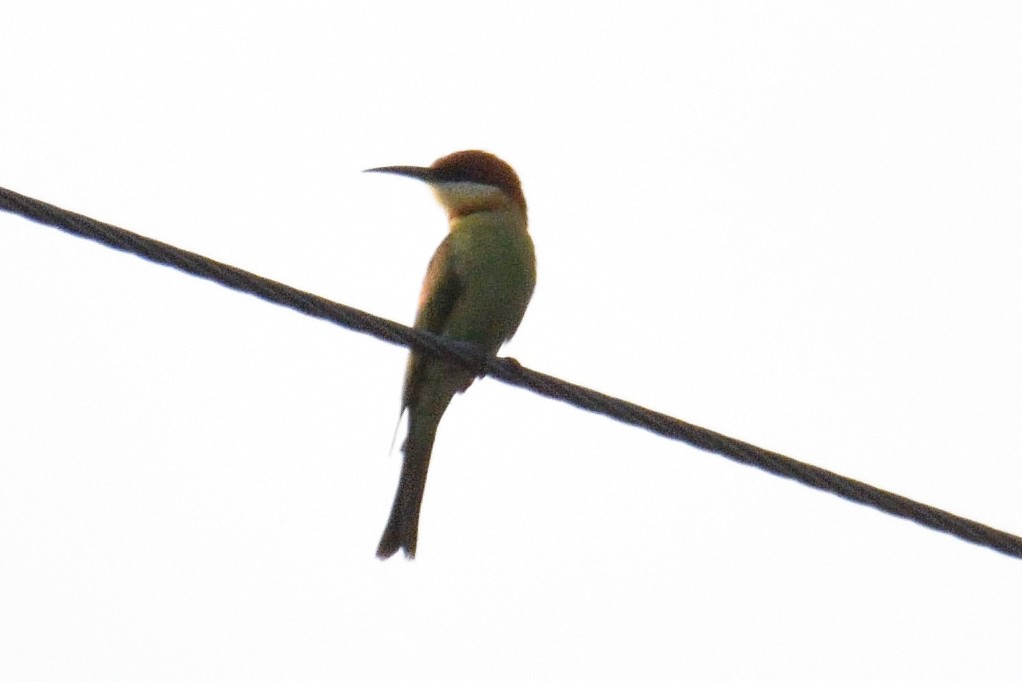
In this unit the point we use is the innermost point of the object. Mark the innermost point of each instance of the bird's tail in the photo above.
(402, 529)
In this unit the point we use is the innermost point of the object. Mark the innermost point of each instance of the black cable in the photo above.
(511, 372)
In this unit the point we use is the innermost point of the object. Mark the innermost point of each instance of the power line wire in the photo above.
(511, 372)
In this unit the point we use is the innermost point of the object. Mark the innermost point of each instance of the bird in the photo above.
(477, 286)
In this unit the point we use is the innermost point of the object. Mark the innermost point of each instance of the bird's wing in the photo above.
(440, 292)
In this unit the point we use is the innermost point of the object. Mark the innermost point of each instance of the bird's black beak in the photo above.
(417, 172)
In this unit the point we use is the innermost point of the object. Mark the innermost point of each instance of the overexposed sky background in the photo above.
(797, 223)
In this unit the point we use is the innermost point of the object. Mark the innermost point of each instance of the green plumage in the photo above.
(476, 289)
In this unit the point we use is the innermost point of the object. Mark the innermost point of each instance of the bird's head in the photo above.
(467, 182)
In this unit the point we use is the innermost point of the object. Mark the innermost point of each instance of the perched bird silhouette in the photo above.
(476, 289)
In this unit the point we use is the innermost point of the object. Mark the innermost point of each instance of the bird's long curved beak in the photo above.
(417, 172)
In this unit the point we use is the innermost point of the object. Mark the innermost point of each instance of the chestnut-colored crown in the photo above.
(480, 167)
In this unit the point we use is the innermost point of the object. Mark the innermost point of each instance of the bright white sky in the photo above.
(796, 223)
